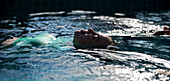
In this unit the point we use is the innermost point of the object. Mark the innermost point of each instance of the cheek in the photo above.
(85, 39)
(86, 36)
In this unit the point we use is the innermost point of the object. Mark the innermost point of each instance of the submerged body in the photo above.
(41, 39)
(82, 39)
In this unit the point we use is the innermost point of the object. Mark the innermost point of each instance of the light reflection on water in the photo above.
(141, 57)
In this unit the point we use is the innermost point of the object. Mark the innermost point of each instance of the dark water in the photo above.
(141, 56)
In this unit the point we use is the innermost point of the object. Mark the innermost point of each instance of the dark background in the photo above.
(22, 8)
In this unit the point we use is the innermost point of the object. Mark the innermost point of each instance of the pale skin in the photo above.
(90, 37)
(9, 41)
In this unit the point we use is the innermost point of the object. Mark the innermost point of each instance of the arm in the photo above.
(9, 41)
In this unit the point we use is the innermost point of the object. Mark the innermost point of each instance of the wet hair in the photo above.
(84, 46)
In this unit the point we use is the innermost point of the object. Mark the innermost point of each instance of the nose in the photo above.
(92, 31)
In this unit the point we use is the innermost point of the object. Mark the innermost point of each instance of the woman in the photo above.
(82, 39)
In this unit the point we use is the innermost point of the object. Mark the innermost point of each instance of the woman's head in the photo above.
(90, 39)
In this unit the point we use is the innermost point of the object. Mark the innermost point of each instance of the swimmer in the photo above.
(90, 39)
(166, 31)
(82, 39)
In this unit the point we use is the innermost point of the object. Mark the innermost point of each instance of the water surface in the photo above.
(141, 56)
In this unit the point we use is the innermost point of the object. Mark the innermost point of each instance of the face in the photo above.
(90, 37)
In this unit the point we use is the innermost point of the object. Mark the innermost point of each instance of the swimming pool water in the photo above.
(140, 56)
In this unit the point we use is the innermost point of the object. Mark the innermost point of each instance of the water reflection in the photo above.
(141, 56)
